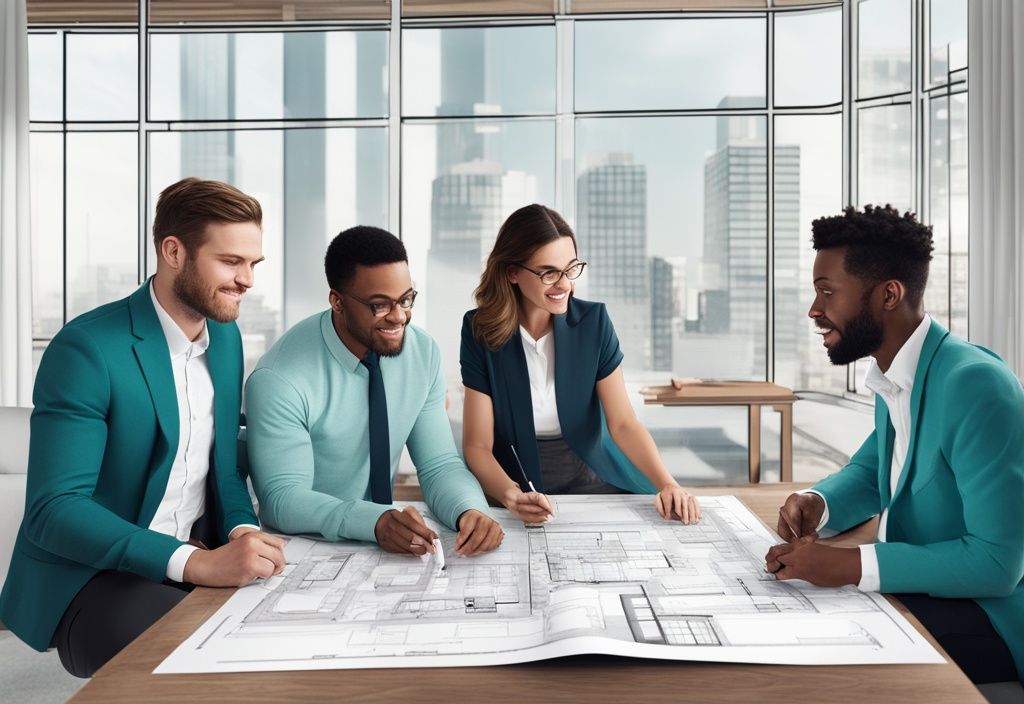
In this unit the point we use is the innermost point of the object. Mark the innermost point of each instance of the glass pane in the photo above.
(655, 5)
(670, 213)
(45, 77)
(46, 153)
(102, 78)
(311, 184)
(946, 295)
(883, 51)
(478, 71)
(671, 64)
(808, 185)
(266, 10)
(948, 38)
(884, 159)
(459, 183)
(809, 58)
(65, 11)
(440, 8)
(102, 218)
(261, 76)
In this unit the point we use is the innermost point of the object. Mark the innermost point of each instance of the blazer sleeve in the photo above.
(610, 354)
(852, 493)
(986, 455)
(66, 448)
(472, 355)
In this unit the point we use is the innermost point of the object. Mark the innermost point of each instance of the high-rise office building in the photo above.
(611, 211)
(735, 242)
(663, 314)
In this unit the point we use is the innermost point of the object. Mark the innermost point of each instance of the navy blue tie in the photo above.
(380, 443)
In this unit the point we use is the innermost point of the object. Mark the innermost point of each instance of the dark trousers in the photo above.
(110, 611)
(114, 608)
(965, 632)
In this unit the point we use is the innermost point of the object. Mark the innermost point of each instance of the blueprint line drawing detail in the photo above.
(607, 576)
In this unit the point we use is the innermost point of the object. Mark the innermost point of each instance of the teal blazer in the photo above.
(104, 435)
(954, 528)
(586, 351)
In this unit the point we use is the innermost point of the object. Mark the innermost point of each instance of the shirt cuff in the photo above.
(176, 565)
(870, 580)
(824, 516)
(242, 525)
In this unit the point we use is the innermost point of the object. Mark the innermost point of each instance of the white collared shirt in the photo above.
(184, 499)
(540, 365)
(894, 386)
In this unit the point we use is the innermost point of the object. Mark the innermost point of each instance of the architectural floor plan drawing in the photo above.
(607, 575)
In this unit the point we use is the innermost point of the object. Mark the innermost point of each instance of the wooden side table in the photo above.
(753, 395)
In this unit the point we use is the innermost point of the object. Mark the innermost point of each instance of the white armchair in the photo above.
(14, 430)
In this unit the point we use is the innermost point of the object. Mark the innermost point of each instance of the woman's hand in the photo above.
(529, 507)
(673, 500)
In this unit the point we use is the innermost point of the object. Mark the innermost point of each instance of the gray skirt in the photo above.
(565, 473)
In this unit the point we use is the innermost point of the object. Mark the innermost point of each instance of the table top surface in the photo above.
(128, 677)
(713, 392)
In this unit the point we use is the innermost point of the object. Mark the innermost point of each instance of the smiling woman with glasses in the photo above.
(546, 409)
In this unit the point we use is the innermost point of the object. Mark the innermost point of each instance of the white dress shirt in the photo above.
(895, 388)
(184, 500)
(540, 365)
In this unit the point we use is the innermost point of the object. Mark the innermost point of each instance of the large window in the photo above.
(689, 149)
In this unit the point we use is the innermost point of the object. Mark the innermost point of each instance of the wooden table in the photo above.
(128, 678)
(753, 395)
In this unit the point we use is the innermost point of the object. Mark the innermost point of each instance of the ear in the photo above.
(893, 293)
(172, 251)
(334, 299)
(512, 272)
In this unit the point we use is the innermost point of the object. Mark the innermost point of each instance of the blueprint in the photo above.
(607, 575)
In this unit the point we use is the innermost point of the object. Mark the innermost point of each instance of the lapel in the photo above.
(154, 359)
(935, 337)
(887, 438)
(565, 353)
(510, 366)
(224, 377)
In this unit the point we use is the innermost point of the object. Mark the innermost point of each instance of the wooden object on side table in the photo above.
(753, 395)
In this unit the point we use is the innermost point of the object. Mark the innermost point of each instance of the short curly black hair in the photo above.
(881, 244)
(361, 245)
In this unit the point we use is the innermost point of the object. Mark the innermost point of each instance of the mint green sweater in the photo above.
(308, 434)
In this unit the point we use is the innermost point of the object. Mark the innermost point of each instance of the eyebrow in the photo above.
(821, 278)
(384, 295)
(552, 266)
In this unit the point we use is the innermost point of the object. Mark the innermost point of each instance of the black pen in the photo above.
(521, 470)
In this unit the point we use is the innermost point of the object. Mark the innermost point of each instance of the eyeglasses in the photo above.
(550, 277)
(382, 308)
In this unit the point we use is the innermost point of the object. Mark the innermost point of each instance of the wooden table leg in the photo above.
(785, 441)
(754, 443)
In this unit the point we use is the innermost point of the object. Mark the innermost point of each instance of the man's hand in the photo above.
(478, 533)
(814, 562)
(673, 500)
(405, 532)
(528, 507)
(248, 555)
(801, 513)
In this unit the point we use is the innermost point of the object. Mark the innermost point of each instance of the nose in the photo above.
(397, 315)
(244, 277)
(815, 312)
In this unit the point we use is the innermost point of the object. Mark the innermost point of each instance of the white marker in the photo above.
(439, 554)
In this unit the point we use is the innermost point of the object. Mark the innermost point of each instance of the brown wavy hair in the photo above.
(497, 299)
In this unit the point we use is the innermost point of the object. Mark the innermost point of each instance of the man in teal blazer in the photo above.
(944, 467)
(132, 454)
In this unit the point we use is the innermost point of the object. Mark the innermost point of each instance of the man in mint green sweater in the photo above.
(944, 468)
(331, 405)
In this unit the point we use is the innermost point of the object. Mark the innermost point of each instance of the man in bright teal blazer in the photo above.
(944, 467)
(106, 458)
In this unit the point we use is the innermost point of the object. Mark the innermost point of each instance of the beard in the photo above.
(860, 337)
(194, 293)
(374, 343)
